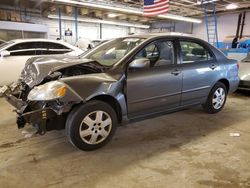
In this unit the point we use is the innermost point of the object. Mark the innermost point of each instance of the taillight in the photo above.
(238, 65)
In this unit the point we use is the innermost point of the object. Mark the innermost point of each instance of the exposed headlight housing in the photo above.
(49, 91)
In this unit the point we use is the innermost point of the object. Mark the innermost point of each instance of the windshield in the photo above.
(246, 60)
(111, 52)
(3, 45)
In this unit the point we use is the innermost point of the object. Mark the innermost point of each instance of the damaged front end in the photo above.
(40, 98)
(43, 115)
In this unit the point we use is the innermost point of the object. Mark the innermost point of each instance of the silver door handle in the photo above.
(176, 72)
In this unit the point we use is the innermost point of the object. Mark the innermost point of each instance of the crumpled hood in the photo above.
(244, 71)
(56, 62)
(37, 68)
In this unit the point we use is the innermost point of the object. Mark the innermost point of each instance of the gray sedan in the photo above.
(244, 74)
(123, 80)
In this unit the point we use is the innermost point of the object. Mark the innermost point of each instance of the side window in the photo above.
(55, 48)
(22, 46)
(23, 52)
(152, 51)
(159, 53)
(40, 48)
(52, 45)
(25, 48)
(192, 52)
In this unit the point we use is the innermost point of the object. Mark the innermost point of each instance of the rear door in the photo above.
(157, 88)
(200, 70)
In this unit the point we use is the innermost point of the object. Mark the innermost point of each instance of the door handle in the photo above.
(212, 66)
(176, 72)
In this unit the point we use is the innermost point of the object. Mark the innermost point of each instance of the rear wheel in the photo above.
(216, 99)
(91, 125)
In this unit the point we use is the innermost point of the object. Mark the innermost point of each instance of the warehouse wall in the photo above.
(85, 30)
(227, 25)
(182, 27)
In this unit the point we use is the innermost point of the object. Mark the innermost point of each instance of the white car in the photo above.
(244, 74)
(2, 41)
(15, 53)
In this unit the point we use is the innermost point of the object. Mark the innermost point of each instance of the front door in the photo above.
(157, 88)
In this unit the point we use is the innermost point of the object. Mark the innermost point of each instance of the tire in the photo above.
(91, 125)
(216, 99)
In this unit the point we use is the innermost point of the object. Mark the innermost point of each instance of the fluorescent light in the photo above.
(199, 2)
(112, 15)
(89, 20)
(181, 18)
(232, 6)
(127, 10)
(106, 7)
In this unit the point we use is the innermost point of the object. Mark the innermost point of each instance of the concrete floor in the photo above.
(185, 149)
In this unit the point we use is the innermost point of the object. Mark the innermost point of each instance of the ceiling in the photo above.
(187, 8)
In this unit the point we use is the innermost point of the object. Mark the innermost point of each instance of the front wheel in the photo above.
(216, 99)
(91, 125)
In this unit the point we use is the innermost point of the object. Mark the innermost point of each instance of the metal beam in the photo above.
(76, 23)
(60, 22)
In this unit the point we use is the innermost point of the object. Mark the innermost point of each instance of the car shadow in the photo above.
(242, 93)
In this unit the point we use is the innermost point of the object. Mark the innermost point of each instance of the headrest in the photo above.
(198, 51)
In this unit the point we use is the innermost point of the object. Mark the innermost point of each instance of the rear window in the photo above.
(193, 52)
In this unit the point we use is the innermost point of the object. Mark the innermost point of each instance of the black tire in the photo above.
(209, 106)
(75, 120)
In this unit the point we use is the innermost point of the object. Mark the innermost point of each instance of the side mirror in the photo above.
(139, 63)
(4, 53)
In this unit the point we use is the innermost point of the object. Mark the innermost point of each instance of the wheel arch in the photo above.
(113, 102)
(225, 82)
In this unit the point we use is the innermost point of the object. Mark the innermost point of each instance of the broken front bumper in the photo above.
(10, 93)
(43, 119)
(37, 118)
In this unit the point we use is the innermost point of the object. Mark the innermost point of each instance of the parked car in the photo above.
(15, 53)
(123, 80)
(244, 74)
(97, 42)
(2, 41)
(84, 44)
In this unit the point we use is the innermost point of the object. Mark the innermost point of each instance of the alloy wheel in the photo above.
(95, 127)
(219, 98)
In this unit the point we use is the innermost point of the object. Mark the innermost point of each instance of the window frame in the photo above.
(20, 43)
(201, 43)
(46, 48)
(24, 50)
(42, 48)
(165, 39)
(21, 50)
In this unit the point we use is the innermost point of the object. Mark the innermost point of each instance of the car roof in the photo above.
(167, 34)
(16, 41)
(37, 40)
